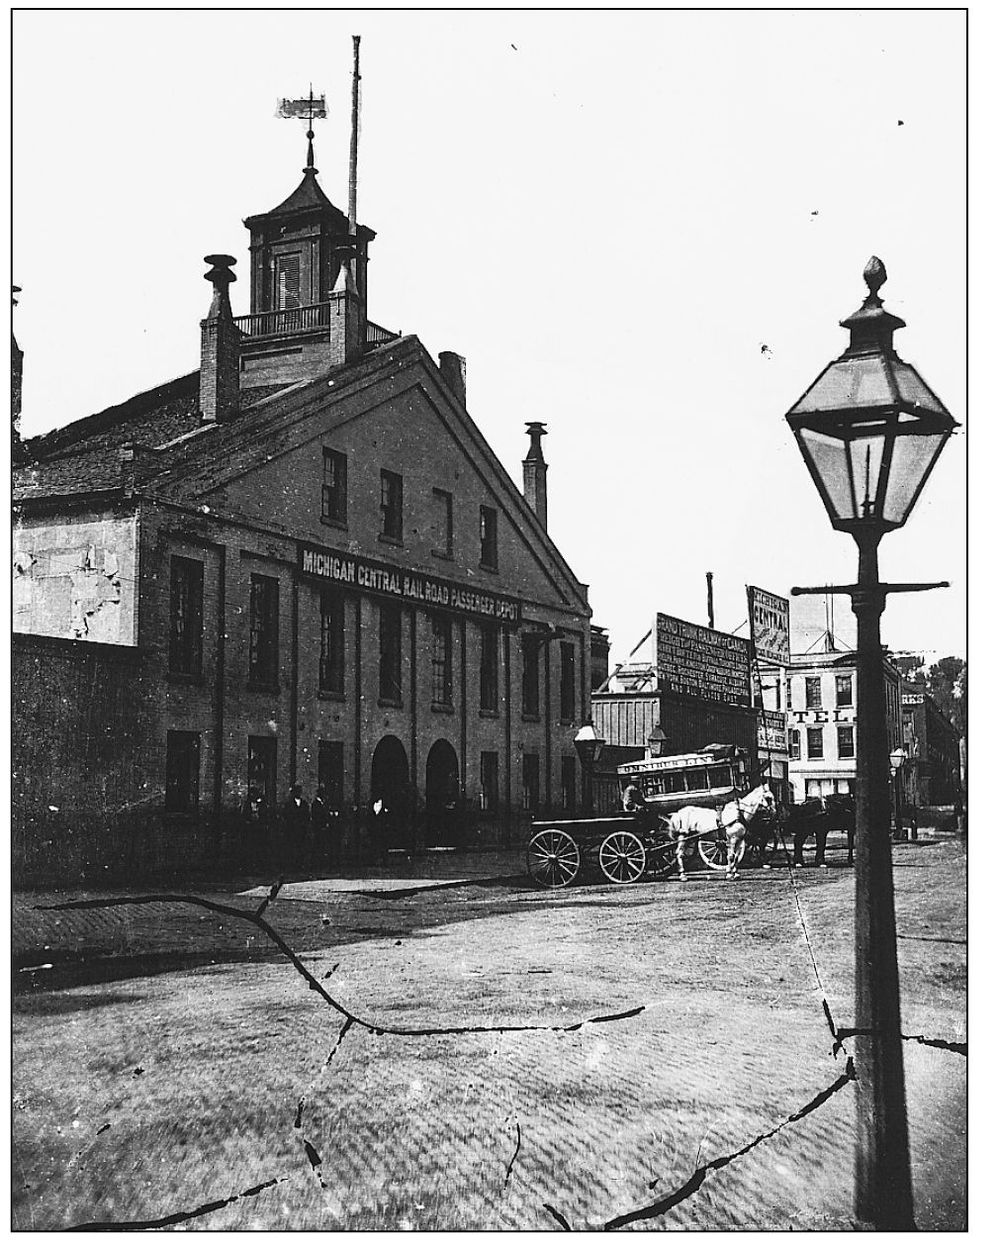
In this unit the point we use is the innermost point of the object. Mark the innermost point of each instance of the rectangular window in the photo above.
(489, 780)
(531, 782)
(815, 743)
(333, 486)
(489, 674)
(287, 280)
(186, 615)
(332, 652)
(531, 676)
(391, 505)
(442, 661)
(183, 772)
(568, 783)
(390, 682)
(330, 773)
(567, 681)
(846, 741)
(794, 743)
(263, 628)
(443, 524)
(843, 691)
(489, 537)
(813, 693)
(261, 772)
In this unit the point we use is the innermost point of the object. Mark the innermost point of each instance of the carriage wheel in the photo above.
(554, 858)
(622, 858)
(713, 852)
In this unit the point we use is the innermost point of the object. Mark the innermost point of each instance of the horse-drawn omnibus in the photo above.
(631, 842)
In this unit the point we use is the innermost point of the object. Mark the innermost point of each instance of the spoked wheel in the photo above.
(713, 851)
(622, 858)
(554, 858)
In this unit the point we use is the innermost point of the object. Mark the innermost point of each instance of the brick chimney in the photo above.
(219, 346)
(535, 472)
(454, 370)
(347, 332)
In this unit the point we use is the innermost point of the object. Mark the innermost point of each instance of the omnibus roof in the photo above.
(672, 763)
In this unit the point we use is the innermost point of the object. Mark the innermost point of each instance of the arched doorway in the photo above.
(390, 787)
(442, 795)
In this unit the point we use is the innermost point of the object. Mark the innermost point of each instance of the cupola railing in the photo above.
(311, 318)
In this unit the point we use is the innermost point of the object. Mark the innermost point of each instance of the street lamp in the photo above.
(870, 431)
(589, 746)
(898, 758)
(656, 742)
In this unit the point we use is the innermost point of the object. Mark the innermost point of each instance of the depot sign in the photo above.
(357, 572)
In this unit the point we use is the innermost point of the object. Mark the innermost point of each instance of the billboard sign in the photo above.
(772, 732)
(701, 662)
(769, 618)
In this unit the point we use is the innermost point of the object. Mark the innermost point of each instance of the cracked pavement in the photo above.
(480, 1055)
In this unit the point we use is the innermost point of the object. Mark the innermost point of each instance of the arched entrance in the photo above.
(390, 787)
(442, 795)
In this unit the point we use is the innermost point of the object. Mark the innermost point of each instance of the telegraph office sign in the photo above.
(357, 572)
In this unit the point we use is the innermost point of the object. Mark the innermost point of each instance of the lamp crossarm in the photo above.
(886, 587)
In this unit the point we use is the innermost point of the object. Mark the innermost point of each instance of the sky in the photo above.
(640, 228)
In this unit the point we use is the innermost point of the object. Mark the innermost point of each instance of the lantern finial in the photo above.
(875, 275)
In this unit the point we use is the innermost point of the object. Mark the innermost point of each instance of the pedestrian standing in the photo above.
(296, 819)
(322, 829)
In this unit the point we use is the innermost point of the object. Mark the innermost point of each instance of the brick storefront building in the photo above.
(300, 564)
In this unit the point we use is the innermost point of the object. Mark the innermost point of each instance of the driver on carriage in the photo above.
(633, 798)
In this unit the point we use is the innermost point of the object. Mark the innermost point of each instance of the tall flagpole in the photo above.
(353, 137)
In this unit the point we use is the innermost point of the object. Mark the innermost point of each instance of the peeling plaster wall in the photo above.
(76, 579)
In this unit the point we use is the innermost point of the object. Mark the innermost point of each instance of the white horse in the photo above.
(732, 819)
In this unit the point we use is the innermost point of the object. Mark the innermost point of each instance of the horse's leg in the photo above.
(736, 840)
(851, 845)
(822, 832)
(681, 855)
(799, 837)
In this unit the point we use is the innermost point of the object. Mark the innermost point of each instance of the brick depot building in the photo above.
(301, 564)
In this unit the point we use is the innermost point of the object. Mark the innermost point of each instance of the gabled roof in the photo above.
(180, 457)
(85, 455)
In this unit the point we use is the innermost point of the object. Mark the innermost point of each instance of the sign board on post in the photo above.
(772, 732)
(769, 618)
(701, 662)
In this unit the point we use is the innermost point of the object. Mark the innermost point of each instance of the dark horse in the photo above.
(818, 816)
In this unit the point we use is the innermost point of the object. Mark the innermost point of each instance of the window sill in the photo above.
(531, 717)
(263, 687)
(488, 567)
(185, 678)
(442, 708)
(333, 522)
(331, 696)
(389, 540)
(390, 702)
(567, 724)
(443, 555)
(486, 713)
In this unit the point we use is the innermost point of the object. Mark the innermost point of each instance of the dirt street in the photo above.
(492, 1057)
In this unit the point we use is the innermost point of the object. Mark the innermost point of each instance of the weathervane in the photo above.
(308, 110)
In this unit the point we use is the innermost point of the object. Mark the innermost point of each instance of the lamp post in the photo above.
(589, 746)
(870, 431)
(898, 758)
